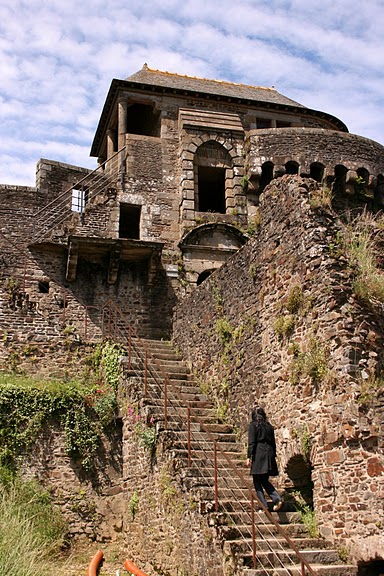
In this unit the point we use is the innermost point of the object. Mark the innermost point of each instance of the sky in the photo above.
(58, 58)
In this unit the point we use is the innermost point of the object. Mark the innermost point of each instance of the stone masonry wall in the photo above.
(166, 529)
(227, 330)
(91, 502)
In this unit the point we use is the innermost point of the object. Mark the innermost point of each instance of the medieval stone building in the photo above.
(181, 165)
(185, 167)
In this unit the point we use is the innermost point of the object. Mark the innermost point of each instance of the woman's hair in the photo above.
(259, 414)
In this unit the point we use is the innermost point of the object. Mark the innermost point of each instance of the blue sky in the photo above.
(58, 57)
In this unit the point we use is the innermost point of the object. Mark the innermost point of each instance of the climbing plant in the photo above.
(83, 408)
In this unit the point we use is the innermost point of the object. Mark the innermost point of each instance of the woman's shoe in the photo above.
(277, 506)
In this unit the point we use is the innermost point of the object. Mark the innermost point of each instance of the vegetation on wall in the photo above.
(83, 408)
(311, 363)
(363, 243)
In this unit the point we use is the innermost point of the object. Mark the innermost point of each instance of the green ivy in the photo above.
(110, 362)
(83, 410)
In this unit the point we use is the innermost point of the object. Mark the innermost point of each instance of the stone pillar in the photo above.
(122, 123)
(110, 143)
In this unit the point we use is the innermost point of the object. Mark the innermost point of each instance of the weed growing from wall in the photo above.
(133, 504)
(307, 515)
(363, 239)
(305, 441)
(370, 389)
(321, 198)
(145, 430)
(284, 326)
(312, 364)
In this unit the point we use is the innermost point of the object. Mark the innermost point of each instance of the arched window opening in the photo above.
(339, 183)
(317, 171)
(211, 163)
(143, 119)
(211, 183)
(291, 167)
(204, 275)
(362, 180)
(266, 175)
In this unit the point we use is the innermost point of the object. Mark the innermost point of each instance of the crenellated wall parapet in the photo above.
(308, 145)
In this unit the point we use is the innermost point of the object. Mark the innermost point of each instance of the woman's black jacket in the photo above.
(262, 448)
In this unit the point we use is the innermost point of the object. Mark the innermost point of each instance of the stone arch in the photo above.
(212, 172)
(214, 235)
(205, 248)
(291, 167)
(340, 180)
(316, 171)
(266, 175)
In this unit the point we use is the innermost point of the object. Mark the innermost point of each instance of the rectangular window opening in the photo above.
(43, 287)
(129, 223)
(211, 185)
(263, 123)
(79, 199)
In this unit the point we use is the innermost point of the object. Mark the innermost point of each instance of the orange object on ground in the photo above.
(133, 569)
(94, 563)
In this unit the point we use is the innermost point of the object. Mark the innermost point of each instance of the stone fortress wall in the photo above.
(324, 434)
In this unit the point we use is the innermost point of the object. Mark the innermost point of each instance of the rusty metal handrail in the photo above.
(56, 211)
(303, 562)
(133, 569)
(95, 563)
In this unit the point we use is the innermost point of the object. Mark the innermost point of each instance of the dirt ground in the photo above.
(75, 562)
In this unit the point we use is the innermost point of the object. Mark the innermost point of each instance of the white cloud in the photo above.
(57, 60)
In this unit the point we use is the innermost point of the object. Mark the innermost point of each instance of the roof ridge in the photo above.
(166, 73)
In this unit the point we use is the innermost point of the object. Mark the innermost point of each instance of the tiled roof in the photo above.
(204, 86)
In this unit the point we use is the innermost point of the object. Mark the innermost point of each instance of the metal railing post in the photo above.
(64, 304)
(129, 346)
(165, 403)
(253, 531)
(189, 435)
(146, 374)
(215, 475)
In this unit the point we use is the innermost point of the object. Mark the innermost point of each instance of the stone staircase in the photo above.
(231, 506)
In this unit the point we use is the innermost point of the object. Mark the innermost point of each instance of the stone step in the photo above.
(173, 373)
(319, 569)
(286, 557)
(201, 457)
(242, 546)
(231, 531)
(238, 516)
(206, 444)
